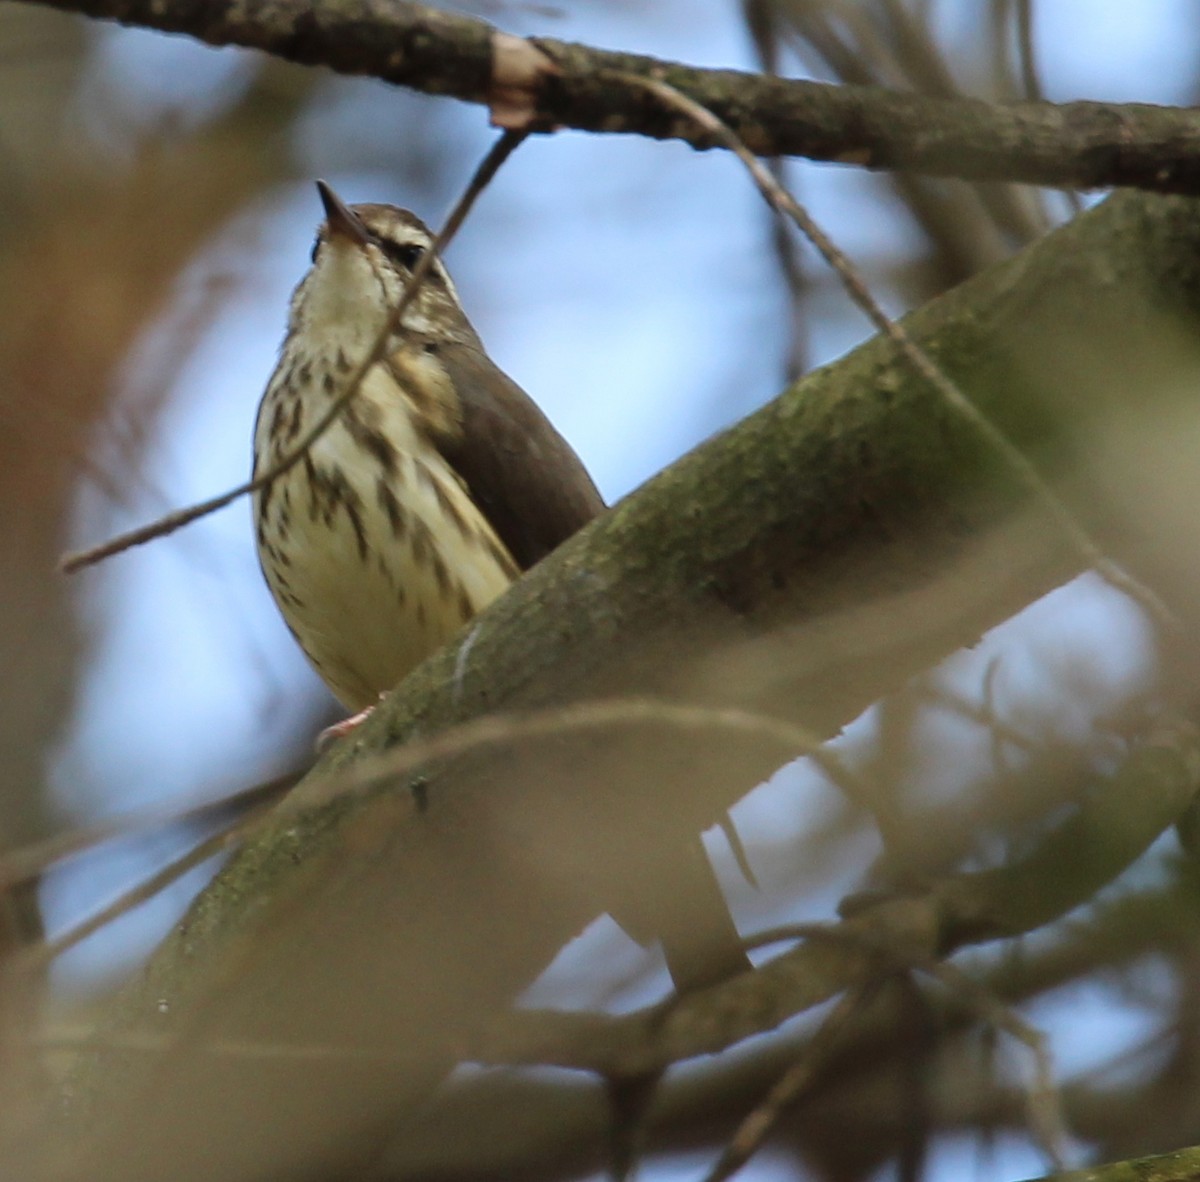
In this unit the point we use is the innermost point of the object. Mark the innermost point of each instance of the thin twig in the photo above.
(1027, 52)
(499, 152)
(369, 771)
(761, 20)
(1043, 1098)
(1031, 82)
(29, 861)
(799, 1078)
(920, 361)
(37, 956)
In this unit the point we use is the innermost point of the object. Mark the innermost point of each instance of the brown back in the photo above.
(521, 472)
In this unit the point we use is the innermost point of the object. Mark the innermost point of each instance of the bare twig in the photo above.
(37, 956)
(1031, 82)
(1043, 1098)
(917, 358)
(962, 232)
(371, 770)
(499, 152)
(798, 1079)
(1027, 51)
(29, 861)
(760, 18)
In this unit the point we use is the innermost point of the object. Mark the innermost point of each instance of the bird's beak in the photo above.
(342, 221)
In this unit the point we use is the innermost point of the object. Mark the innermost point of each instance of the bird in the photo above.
(437, 485)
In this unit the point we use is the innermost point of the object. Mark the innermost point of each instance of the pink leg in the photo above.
(340, 730)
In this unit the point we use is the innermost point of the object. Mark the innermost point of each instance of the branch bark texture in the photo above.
(1074, 145)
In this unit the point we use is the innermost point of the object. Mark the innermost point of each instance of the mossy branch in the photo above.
(801, 566)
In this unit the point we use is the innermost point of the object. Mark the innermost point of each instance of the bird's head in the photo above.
(362, 261)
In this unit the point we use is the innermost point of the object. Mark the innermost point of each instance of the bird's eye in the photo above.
(407, 254)
(316, 247)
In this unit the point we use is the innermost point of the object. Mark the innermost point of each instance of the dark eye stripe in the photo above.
(407, 254)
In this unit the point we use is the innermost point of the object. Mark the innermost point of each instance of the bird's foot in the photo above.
(340, 730)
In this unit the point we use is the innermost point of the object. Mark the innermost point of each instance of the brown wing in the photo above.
(521, 472)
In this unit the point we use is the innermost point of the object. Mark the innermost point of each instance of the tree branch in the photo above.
(1181, 1166)
(1078, 145)
(801, 566)
(530, 1126)
(1064, 870)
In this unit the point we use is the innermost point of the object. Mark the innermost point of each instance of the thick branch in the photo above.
(801, 565)
(1075, 145)
(1181, 1166)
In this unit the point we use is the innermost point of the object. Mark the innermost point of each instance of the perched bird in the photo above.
(436, 486)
